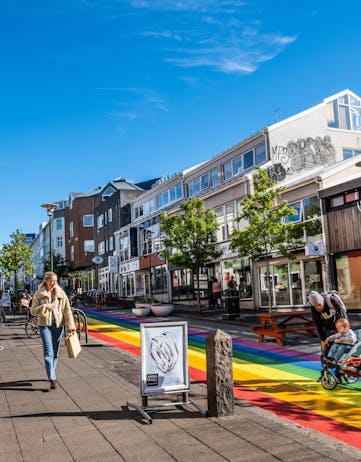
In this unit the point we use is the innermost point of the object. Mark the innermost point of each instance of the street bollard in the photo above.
(219, 374)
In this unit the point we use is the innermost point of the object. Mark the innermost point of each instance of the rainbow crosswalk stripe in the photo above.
(280, 380)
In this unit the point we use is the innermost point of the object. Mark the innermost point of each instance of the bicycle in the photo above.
(32, 327)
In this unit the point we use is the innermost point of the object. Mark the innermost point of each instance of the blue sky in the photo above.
(91, 90)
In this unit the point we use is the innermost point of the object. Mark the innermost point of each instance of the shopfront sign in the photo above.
(113, 264)
(225, 248)
(129, 266)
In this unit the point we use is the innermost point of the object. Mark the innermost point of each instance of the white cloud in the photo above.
(219, 34)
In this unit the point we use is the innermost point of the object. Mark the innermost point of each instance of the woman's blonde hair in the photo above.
(47, 275)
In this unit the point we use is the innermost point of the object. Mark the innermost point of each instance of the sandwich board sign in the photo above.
(164, 353)
(164, 365)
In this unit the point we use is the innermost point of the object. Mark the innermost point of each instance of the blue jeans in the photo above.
(337, 350)
(51, 337)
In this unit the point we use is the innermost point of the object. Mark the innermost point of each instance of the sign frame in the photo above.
(164, 358)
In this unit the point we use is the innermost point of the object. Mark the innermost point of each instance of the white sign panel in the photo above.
(132, 265)
(113, 264)
(164, 353)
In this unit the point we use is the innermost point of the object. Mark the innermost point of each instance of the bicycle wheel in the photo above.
(328, 381)
(32, 329)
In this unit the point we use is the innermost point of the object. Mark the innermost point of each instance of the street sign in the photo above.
(97, 260)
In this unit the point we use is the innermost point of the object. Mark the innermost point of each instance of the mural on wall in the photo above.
(305, 153)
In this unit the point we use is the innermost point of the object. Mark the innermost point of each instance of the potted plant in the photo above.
(161, 308)
(142, 306)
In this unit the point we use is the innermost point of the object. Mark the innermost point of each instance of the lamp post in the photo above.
(148, 240)
(50, 211)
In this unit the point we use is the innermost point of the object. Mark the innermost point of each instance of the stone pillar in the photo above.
(219, 374)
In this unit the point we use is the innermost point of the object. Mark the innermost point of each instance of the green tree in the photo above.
(267, 233)
(59, 265)
(190, 237)
(16, 256)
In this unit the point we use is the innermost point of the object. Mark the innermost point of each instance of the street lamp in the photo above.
(50, 211)
(148, 242)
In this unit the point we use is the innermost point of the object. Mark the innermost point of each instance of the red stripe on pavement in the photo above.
(117, 343)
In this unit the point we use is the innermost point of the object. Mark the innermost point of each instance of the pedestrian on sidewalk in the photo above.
(52, 307)
(216, 291)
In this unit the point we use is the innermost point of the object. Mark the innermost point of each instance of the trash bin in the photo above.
(230, 304)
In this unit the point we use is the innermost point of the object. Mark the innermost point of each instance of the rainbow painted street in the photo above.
(277, 379)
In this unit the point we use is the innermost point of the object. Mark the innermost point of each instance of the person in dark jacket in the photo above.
(325, 312)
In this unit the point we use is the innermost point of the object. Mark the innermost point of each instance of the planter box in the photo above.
(161, 309)
(141, 309)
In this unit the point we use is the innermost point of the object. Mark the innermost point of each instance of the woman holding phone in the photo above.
(51, 305)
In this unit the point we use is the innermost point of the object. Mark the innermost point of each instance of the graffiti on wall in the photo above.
(303, 154)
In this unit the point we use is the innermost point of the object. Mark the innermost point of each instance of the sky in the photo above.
(92, 90)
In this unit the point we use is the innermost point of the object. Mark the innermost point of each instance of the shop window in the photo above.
(348, 278)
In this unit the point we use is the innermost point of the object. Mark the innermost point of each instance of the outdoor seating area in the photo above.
(278, 323)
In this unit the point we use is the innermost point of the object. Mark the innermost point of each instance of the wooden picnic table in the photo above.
(278, 323)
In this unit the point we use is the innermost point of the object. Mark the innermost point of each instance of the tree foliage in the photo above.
(16, 256)
(59, 264)
(190, 237)
(267, 233)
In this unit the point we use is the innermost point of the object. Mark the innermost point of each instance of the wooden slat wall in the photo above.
(344, 229)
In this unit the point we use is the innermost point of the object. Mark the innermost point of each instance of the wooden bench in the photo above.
(278, 323)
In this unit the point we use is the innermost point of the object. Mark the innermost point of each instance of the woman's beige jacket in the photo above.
(62, 312)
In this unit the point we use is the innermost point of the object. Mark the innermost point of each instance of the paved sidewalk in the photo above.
(86, 417)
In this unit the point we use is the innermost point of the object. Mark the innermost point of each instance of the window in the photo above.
(89, 246)
(100, 221)
(297, 216)
(88, 221)
(205, 181)
(71, 253)
(166, 197)
(348, 197)
(179, 191)
(348, 153)
(71, 229)
(336, 201)
(101, 248)
(248, 160)
(260, 153)
(110, 215)
(344, 113)
(172, 195)
(111, 244)
(227, 170)
(214, 177)
(237, 166)
(59, 241)
(59, 223)
(108, 192)
(124, 246)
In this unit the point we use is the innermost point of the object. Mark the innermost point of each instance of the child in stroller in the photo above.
(343, 360)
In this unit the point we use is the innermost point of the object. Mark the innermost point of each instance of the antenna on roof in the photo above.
(277, 114)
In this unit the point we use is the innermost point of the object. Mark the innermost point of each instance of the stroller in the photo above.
(347, 369)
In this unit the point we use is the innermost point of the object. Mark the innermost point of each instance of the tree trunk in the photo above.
(269, 285)
(198, 296)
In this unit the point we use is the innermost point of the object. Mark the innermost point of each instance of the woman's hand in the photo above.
(49, 307)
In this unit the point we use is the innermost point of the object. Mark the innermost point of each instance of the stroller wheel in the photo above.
(351, 378)
(328, 380)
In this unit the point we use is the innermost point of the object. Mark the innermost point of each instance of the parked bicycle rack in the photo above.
(81, 322)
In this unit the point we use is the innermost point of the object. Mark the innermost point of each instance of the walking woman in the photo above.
(51, 305)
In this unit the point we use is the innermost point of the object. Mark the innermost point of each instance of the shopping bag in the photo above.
(72, 345)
